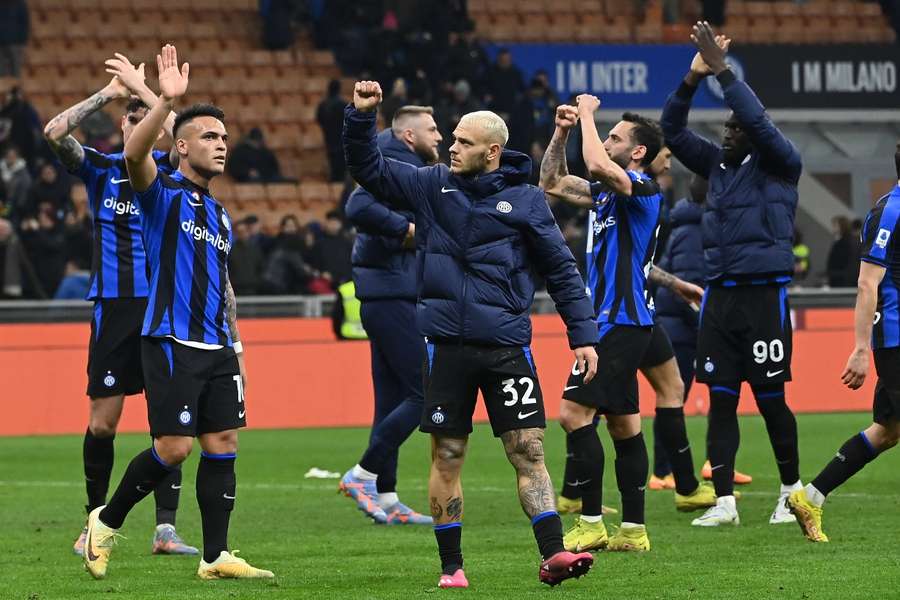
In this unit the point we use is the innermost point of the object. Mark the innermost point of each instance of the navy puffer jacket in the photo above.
(683, 258)
(482, 241)
(748, 225)
(382, 268)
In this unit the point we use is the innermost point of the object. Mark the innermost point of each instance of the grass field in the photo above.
(320, 547)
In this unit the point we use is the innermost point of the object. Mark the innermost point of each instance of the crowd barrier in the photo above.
(300, 376)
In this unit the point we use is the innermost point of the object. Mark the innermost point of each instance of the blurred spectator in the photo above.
(544, 102)
(14, 30)
(450, 109)
(278, 17)
(801, 258)
(332, 249)
(75, 283)
(330, 116)
(251, 161)
(466, 59)
(841, 266)
(16, 182)
(397, 99)
(20, 125)
(10, 253)
(50, 187)
(505, 84)
(102, 133)
(44, 243)
(286, 271)
(246, 262)
(891, 9)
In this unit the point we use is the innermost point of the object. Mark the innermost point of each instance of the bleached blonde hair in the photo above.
(489, 124)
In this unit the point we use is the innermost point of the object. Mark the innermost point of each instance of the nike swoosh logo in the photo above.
(241, 414)
(227, 497)
(176, 487)
(685, 449)
(717, 467)
(444, 190)
(194, 204)
(118, 180)
(569, 387)
(142, 490)
(90, 551)
(774, 373)
(578, 482)
(526, 415)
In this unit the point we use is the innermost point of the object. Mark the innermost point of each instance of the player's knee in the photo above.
(573, 416)
(524, 448)
(174, 450)
(671, 394)
(449, 454)
(102, 426)
(220, 442)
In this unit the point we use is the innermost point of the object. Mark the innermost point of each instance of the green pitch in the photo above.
(320, 546)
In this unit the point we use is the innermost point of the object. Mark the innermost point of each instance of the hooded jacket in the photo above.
(482, 240)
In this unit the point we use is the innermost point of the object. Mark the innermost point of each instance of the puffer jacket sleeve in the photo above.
(554, 262)
(371, 216)
(395, 182)
(696, 153)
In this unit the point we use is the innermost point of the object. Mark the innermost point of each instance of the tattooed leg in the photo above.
(444, 486)
(525, 451)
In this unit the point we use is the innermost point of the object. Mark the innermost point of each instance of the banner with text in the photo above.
(845, 76)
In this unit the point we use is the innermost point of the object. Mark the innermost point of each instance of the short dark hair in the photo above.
(646, 132)
(135, 104)
(197, 110)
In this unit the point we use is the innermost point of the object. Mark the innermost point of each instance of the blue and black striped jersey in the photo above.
(621, 241)
(118, 264)
(880, 247)
(187, 234)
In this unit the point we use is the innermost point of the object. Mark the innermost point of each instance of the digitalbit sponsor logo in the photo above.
(202, 233)
(121, 208)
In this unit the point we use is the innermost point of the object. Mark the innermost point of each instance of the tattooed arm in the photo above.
(58, 130)
(525, 451)
(690, 293)
(555, 178)
(231, 318)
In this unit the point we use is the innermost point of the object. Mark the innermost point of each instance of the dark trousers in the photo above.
(397, 354)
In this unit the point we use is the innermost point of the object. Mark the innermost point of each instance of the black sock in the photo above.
(166, 495)
(587, 461)
(632, 465)
(143, 474)
(672, 433)
(568, 490)
(98, 453)
(661, 466)
(855, 454)
(782, 428)
(449, 540)
(216, 485)
(723, 436)
(547, 528)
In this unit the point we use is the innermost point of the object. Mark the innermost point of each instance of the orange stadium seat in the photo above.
(314, 192)
(283, 194)
(501, 7)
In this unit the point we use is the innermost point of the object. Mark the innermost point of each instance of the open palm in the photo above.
(172, 81)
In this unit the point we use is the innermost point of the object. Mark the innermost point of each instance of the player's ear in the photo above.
(494, 151)
(181, 146)
(638, 153)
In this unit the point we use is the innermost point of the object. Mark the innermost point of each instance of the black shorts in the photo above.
(886, 403)
(506, 376)
(659, 350)
(614, 389)
(114, 353)
(191, 391)
(745, 335)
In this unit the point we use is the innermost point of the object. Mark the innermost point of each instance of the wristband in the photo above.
(238, 348)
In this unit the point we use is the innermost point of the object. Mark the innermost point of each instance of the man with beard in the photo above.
(748, 227)
(484, 236)
(384, 272)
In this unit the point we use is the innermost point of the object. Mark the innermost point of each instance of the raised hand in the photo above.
(172, 81)
(566, 116)
(366, 95)
(126, 73)
(587, 104)
(712, 48)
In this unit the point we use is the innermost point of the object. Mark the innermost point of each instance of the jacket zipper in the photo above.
(465, 284)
